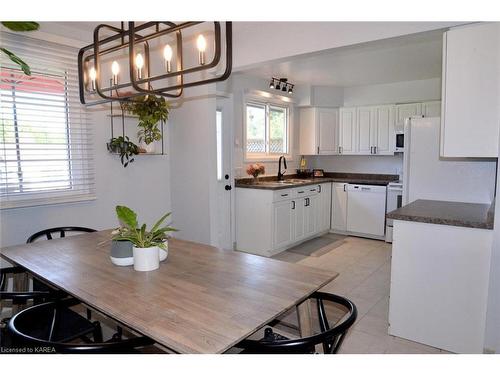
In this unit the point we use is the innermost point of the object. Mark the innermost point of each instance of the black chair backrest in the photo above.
(330, 338)
(61, 230)
(36, 325)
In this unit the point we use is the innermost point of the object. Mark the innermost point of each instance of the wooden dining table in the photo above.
(201, 300)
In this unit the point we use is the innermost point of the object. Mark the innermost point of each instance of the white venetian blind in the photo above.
(45, 152)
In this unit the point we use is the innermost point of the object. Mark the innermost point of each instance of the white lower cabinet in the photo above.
(339, 207)
(268, 222)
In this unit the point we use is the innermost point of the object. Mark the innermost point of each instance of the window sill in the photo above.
(6, 205)
(266, 159)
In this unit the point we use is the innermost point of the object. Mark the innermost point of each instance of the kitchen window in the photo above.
(45, 139)
(266, 130)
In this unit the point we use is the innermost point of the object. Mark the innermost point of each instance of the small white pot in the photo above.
(150, 148)
(163, 253)
(146, 259)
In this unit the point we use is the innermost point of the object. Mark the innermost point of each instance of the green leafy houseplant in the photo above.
(139, 235)
(19, 26)
(124, 147)
(151, 110)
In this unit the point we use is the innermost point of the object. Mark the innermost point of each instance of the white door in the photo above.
(310, 215)
(328, 129)
(365, 129)
(324, 207)
(282, 224)
(347, 131)
(339, 207)
(225, 183)
(385, 136)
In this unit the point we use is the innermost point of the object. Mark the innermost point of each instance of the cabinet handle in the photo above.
(375, 149)
(318, 150)
(306, 201)
(293, 205)
(340, 149)
(284, 195)
(312, 189)
(344, 186)
(300, 192)
(319, 188)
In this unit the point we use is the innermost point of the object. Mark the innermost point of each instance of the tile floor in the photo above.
(364, 268)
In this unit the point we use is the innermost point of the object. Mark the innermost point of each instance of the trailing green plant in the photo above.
(151, 110)
(139, 235)
(125, 148)
(21, 27)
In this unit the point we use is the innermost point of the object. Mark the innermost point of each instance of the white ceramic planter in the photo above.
(146, 259)
(163, 253)
(150, 148)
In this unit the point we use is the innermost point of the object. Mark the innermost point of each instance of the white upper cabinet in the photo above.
(319, 131)
(366, 130)
(384, 134)
(404, 111)
(431, 109)
(470, 117)
(347, 131)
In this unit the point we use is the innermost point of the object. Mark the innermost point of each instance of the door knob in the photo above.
(228, 187)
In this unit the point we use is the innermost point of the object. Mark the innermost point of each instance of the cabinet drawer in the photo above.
(305, 191)
(282, 195)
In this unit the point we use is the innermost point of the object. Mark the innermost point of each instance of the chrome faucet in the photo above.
(280, 175)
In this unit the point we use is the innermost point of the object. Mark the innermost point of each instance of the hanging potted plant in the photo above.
(149, 247)
(124, 147)
(151, 110)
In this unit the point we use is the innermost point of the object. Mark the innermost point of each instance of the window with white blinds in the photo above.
(46, 154)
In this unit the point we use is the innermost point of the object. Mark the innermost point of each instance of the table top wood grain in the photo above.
(201, 299)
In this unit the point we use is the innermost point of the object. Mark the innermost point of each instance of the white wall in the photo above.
(143, 186)
(390, 93)
(357, 163)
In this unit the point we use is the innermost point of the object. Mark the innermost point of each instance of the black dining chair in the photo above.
(52, 327)
(329, 337)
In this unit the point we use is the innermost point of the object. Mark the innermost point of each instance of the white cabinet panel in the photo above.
(471, 91)
(347, 131)
(324, 207)
(307, 132)
(431, 109)
(282, 224)
(327, 130)
(339, 207)
(404, 111)
(365, 129)
(385, 135)
(311, 212)
(298, 219)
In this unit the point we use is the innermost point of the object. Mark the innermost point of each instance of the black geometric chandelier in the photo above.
(281, 84)
(160, 58)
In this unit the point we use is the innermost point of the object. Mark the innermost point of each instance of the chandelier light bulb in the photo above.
(271, 85)
(92, 76)
(115, 69)
(201, 43)
(139, 63)
(167, 54)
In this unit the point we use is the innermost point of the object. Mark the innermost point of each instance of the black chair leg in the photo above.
(97, 332)
(89, 314)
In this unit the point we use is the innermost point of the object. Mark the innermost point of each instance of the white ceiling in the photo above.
(413, 57)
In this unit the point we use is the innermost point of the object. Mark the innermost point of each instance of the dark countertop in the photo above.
(266, 183)
(459, 214)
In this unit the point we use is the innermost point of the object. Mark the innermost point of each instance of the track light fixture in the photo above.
(281, 84)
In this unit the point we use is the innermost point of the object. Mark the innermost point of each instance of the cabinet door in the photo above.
(404, 111)
(307, 132)
(471, 91)
(365, 130)
(339, 207)
(282, 224)
(347, 131)
(324, 207)
(311, 212)
(431, 109)
(385, 142)
(327, 130)
(298, 209)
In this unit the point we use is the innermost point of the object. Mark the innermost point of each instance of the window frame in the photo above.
(267, 103)
(54, 62)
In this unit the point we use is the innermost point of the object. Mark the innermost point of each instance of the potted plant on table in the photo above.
(151, 110)
(149, 247)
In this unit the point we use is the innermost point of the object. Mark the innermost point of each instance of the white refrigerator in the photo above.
(427, 176)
